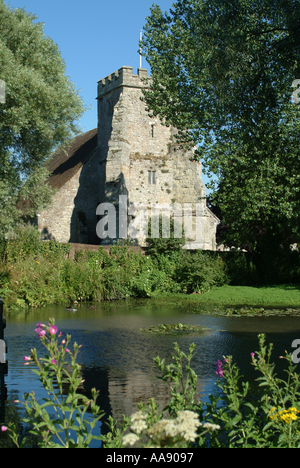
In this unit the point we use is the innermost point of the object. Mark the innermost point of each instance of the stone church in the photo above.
(130, 154)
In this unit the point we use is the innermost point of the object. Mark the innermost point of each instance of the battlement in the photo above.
(123, 77)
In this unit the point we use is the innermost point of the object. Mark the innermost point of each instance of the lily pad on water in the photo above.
(251, 312)
(171, 329)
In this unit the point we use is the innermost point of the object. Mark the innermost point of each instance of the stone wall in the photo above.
(72, 215)
(54, 223)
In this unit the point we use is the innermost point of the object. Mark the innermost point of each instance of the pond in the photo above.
(117, 358)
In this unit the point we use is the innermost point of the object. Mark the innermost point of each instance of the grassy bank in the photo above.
(36, 274)
(237, 300)
(279, 296)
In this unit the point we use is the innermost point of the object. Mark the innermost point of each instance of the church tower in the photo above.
(139, 157)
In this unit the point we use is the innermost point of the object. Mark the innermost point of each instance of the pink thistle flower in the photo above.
(27, 358)
(3, 429)
(42, 333)
(53, 330)
(53, 361)
(67, 350)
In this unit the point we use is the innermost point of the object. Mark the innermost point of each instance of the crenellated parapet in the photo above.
(123, 77)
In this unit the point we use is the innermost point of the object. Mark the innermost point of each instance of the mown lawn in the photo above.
(282, 296)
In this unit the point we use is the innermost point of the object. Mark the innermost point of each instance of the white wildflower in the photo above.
(188, 424)
(137, 416)
(139, 426)
(211, 427)
(171, 429)
(184, 426)
(167, 427)
(130, 439)
(187, 416)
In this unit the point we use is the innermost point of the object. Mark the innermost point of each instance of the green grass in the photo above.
(273, 296)
(282, 296)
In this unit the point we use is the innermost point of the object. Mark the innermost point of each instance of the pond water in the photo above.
(117, 358)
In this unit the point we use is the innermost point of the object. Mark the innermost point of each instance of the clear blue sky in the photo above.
(95, 38)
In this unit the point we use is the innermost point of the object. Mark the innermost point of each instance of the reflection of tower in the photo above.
(3, 364)
(97, 377)
(94, 377)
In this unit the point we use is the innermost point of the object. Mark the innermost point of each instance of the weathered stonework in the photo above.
(140, 156)
(129, 154)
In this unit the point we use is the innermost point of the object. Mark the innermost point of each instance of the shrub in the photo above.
(5, 278)
(23, 242)
(163, 245)
(240, 268)
(53, 250)
(198, 272)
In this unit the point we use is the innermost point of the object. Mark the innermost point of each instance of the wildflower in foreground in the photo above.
(3, 429)
(286, 416)
(40, 329)
(188, 424)
(27, 360)
(219, 371)
(130, 439)
(139, 426)
(183, 427)
(53, 330)
(211, 427)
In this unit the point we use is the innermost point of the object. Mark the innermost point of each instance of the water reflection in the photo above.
(117, 358)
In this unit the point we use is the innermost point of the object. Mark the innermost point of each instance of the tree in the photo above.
(40, 111)
(225, 70)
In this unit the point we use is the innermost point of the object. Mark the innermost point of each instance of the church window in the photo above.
(152, 130)
(151, 177)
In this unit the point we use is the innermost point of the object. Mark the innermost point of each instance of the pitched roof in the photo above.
(66, 162)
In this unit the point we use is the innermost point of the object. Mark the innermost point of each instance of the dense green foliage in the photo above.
(35, 273)
(225, 70)
(40, 112)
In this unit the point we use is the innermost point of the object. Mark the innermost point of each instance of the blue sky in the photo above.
(95, 38)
